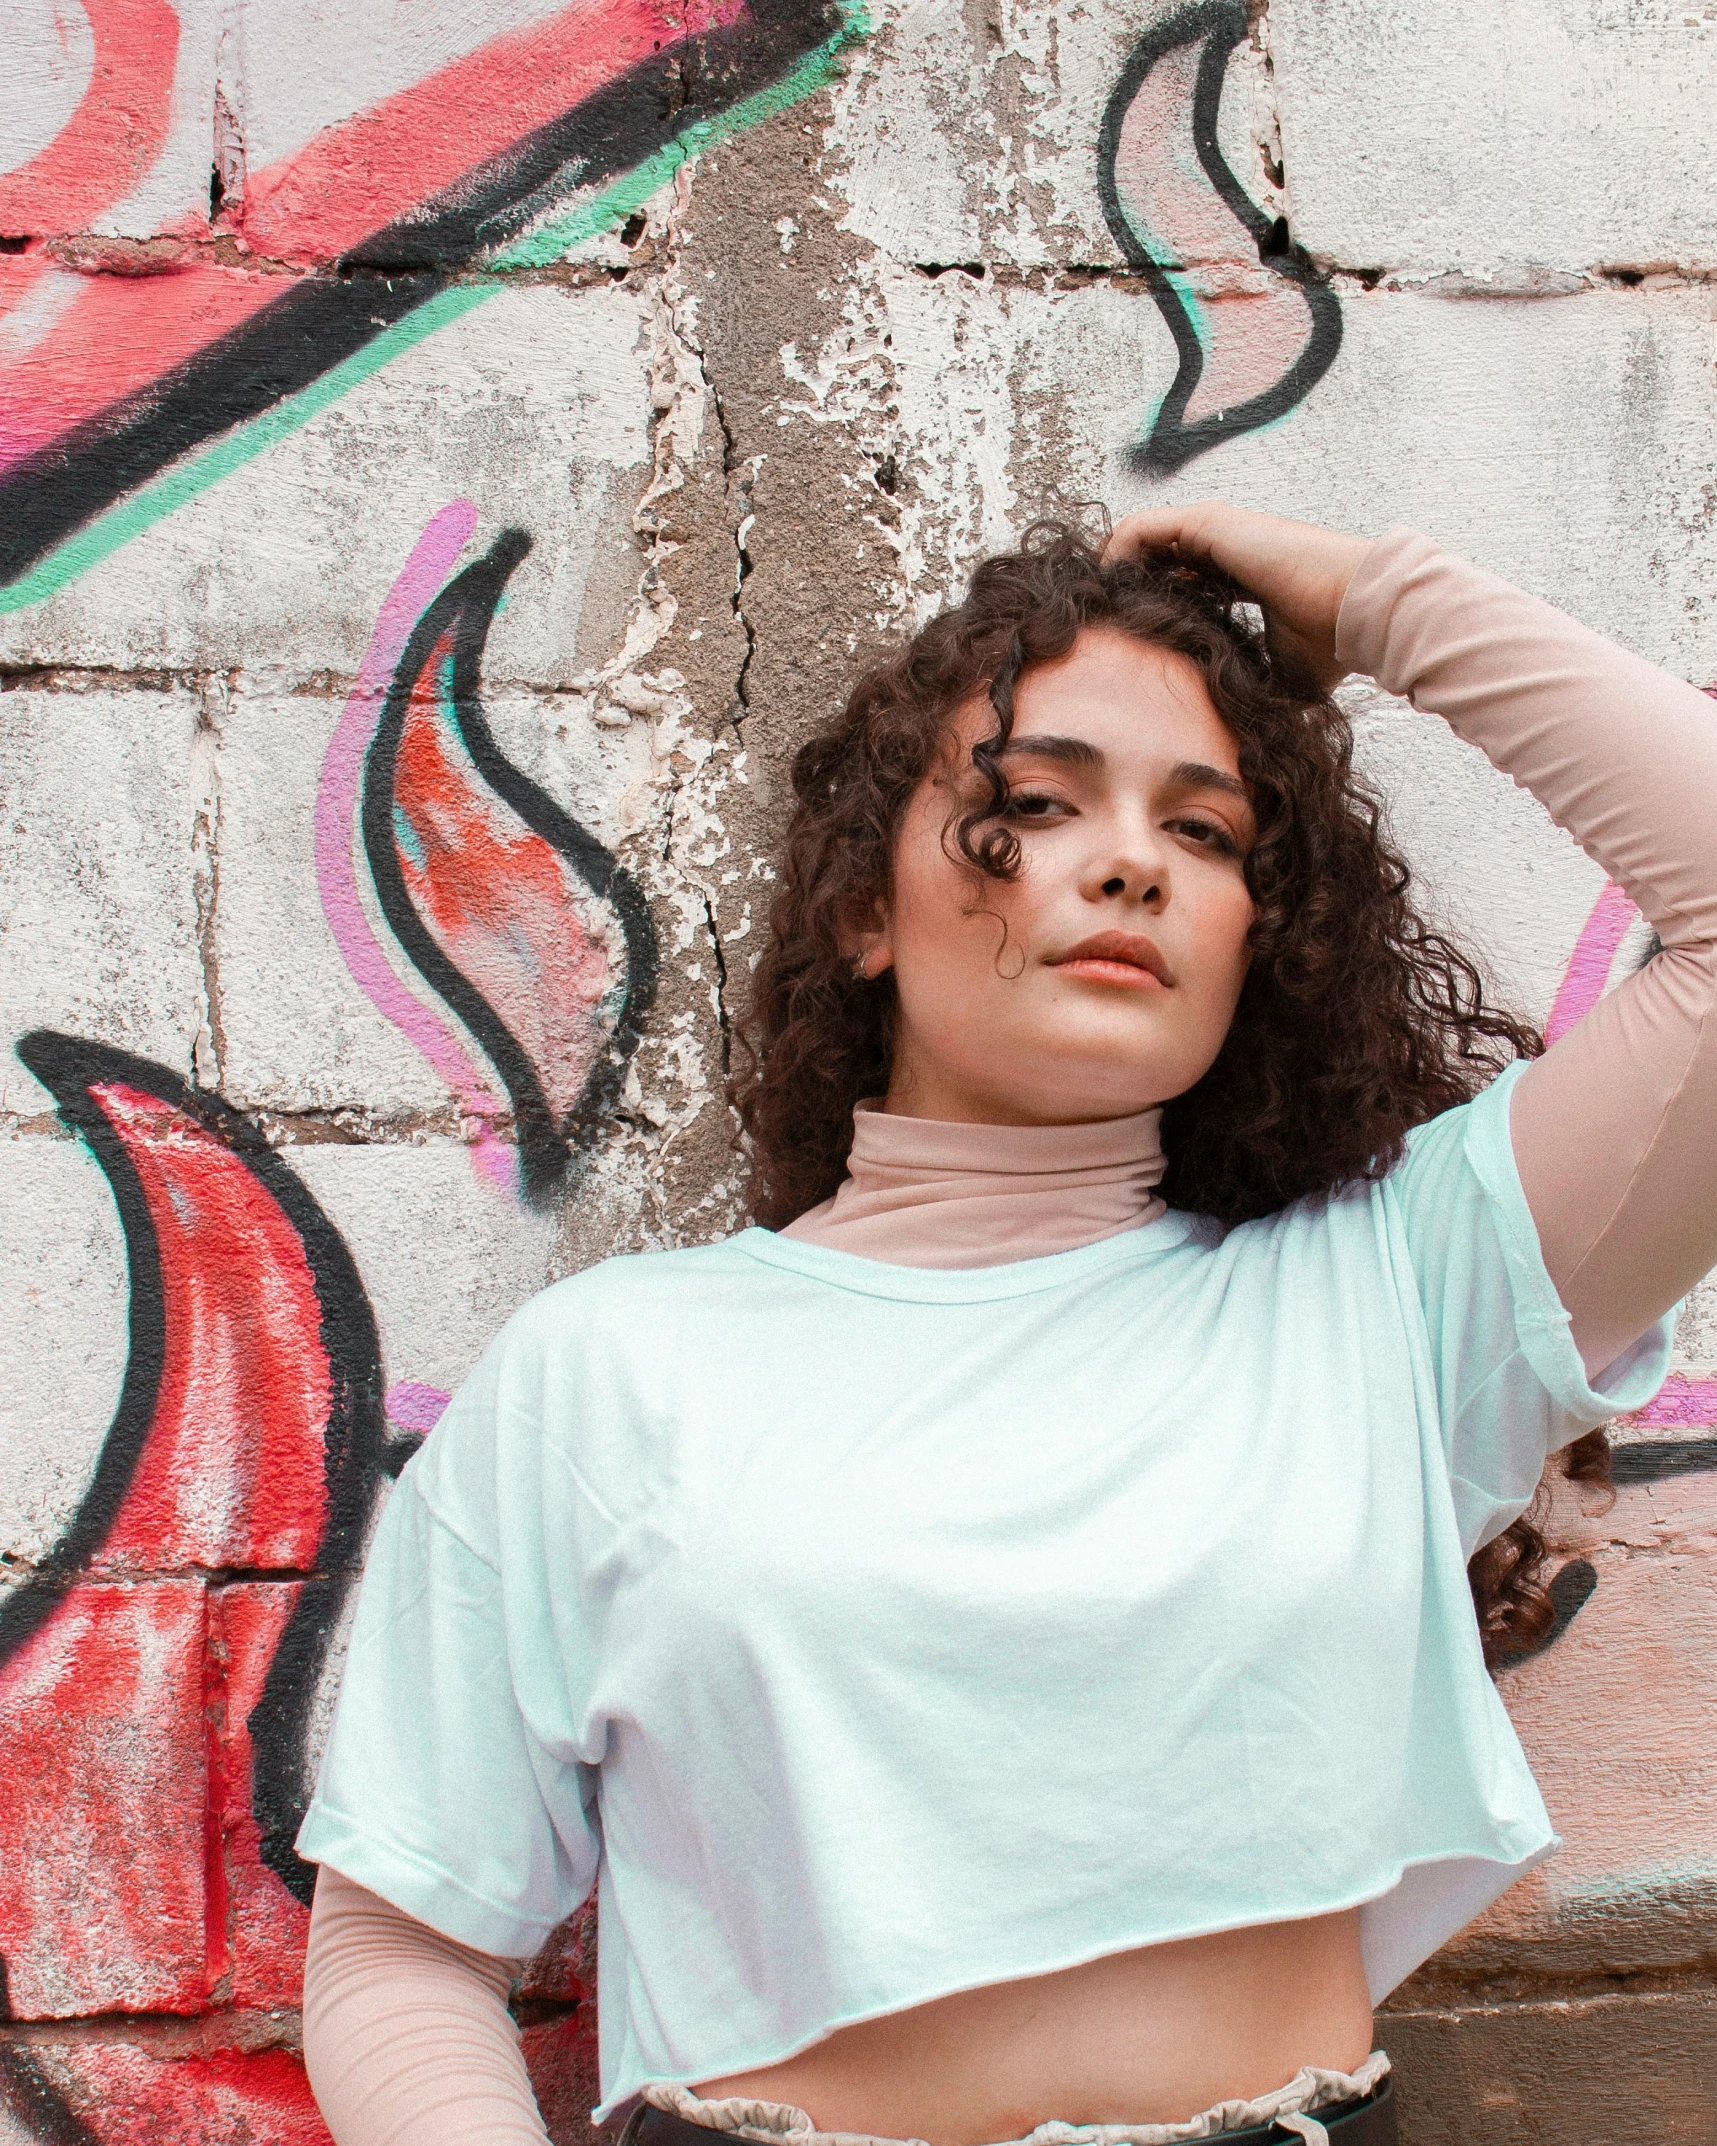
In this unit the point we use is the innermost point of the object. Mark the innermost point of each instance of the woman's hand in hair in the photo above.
(1297, 572)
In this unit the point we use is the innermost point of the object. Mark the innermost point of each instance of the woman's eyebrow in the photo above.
(1077, 752)
(1196, 775)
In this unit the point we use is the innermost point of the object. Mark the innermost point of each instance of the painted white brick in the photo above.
(1569, 443)
(960, 135)
(444, 1257)
(535, 406)
(1434, 134)
(1696, 1330)
(98, 911)
(1489, 864)
(63, 1334)
(50, 64)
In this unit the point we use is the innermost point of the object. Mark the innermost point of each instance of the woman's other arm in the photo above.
(407, 2037)
(1615, 1128)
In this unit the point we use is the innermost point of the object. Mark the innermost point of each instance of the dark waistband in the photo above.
(1368, 2121)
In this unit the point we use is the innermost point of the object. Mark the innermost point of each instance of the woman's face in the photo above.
(1103, 979)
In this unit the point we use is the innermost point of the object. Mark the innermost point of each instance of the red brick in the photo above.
(102, 1836)
(129, 2096)
(265, 1928)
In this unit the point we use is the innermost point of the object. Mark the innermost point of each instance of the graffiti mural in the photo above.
(351, 248)
(161, 1666)
(1172, 203)
(524, 927)
(388, 828)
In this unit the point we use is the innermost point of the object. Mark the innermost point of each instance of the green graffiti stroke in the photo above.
(165, 494)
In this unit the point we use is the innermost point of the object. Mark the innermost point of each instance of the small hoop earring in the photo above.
(860, 973)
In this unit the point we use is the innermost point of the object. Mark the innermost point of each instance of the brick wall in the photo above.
(447, 456)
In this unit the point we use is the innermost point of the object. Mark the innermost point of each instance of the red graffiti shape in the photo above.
(156, 1708)
(107, 379)
(78, 344)
(231, 1473)
(1174, 204)
(504, 904)
(117, 130)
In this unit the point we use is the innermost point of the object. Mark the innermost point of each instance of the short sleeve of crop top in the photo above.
(1510, 1384)
(451, 1786)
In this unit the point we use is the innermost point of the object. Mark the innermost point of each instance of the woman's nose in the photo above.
(1133, 869)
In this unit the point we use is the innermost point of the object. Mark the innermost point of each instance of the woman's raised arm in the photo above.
(1615, 1128)
(407, 2037)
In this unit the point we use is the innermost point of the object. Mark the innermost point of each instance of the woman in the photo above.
(1000, 1635)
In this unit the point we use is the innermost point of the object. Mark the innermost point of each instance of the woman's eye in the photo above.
(1033, 805)
(1211, 833)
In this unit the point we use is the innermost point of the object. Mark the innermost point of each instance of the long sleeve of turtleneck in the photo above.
(407, 2037)
(1615, 1128)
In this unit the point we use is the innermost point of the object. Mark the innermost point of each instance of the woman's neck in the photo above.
(924, 1192)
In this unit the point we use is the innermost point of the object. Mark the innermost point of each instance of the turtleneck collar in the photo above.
(923, 1192)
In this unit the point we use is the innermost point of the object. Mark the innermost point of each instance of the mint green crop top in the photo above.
(867, 1633)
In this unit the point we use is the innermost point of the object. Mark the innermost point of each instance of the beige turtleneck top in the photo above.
(406, 2033)
(922, 1193)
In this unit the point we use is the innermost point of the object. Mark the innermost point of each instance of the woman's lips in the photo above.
(1126, 958)
(1125, 973)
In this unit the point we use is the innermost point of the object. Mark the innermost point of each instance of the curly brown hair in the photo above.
(1356, 1021)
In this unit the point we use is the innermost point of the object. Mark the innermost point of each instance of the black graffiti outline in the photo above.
(324, 320)
(1657, 1460)
(40, 2107)
(466, 608)
(357, 1450)
(1172, 443)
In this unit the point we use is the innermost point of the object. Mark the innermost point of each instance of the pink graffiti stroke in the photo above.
(1682, 1403)
(414, 1406)
(432, 558)
(1589, 965)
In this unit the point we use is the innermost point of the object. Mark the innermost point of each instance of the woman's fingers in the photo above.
(1298, 572)
(1185, 531)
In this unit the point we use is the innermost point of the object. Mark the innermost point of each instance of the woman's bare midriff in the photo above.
(1150, 2036)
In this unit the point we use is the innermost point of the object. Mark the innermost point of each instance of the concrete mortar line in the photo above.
(1499, 1989)
(1400, 280)
(131, 260)
(93, 677)
(212, 1576)
(677, 325)
(170, 2033)
(208, 1047)
(261, 684)
(341, 1126)
(40, 1125)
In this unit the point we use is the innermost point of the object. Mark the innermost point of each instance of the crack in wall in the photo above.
(723, 1018)
(739, 475)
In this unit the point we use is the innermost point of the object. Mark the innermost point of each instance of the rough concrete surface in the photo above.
(415, 480)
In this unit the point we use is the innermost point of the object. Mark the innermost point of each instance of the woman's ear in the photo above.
(867, 939)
